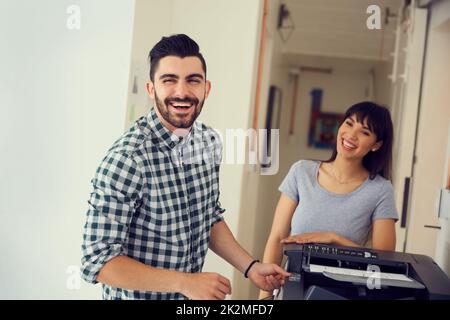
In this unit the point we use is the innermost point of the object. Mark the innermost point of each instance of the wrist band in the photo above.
(248, 268)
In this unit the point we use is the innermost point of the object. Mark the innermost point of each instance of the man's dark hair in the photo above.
(179, 45)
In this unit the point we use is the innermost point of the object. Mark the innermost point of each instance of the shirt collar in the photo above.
(163, 134)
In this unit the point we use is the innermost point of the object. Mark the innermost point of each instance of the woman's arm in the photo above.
(320, 237)
(383, 234)
(281, 227)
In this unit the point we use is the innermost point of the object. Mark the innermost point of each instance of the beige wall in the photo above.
(432, 135)
(152, 20)
(383, 86)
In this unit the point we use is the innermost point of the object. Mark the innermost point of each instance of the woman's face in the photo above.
(355, 140)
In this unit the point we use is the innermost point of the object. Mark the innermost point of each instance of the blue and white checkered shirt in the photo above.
(155, 198)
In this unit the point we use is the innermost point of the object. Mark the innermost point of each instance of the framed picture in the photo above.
(323, 130)
(272, 122)
(323, 126)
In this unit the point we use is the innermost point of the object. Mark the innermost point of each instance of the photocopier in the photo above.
(326, 272)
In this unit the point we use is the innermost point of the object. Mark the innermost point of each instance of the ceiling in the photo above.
(336, 63)
(337, 28)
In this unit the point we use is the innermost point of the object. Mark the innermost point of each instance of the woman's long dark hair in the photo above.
(380, 123)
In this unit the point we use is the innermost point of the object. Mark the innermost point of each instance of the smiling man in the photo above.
(175, 109)
(155, 209)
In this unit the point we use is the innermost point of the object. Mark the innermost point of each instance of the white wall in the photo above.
(62, 100)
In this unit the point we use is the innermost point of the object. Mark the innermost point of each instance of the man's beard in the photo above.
(172, 118)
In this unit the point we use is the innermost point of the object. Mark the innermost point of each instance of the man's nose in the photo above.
(181, 89)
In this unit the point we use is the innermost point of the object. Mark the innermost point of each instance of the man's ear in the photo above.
(150, 89)
(377, 145)
(207, 88)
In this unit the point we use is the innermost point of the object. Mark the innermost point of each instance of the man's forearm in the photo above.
(127, 273)
(224, 244)
(273, 253)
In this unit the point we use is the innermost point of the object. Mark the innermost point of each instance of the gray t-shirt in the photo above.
(349, 215)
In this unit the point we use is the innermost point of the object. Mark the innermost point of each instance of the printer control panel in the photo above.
(328, 250)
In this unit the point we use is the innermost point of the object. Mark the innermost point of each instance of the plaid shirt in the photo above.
(155, 199)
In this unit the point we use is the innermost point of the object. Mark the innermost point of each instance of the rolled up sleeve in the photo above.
(116, 193)
(218, 211)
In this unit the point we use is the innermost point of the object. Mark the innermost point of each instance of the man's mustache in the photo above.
(193, 101)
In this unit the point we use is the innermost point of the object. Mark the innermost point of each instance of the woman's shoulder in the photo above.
(305, 165)
(382, 184)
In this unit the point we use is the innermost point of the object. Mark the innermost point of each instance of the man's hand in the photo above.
(312, 237)
(205, 286)
(266, 276)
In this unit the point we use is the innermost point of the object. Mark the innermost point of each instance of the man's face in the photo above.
(179, 90)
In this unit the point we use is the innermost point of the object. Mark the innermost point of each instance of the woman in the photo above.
(345, 199)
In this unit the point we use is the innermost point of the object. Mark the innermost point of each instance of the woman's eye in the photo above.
(366, 133)
(348, 123)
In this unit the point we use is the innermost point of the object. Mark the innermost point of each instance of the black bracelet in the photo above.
(248, 268)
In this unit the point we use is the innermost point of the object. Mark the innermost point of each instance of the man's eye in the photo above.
(168, 80)
(194, 81)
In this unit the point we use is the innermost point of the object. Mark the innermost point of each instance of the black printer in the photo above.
(326, 272)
